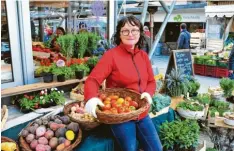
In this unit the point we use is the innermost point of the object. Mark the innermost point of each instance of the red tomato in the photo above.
(128, 98)
(127, 110)
(126, 103)
(106, 107)
(134, 103)
(114, 110)
(120, 110)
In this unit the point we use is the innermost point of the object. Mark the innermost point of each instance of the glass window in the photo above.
(6, 62)
(72, 17)
(216, 28)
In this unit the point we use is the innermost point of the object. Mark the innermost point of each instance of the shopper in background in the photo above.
(54, 46)
(184, 38)
(231, 64)
(126, 66)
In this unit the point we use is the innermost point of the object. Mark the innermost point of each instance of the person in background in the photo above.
(126, 66)
(146, 42)
(54, 46)
(231, 64)
(146, 31)
(184, 38)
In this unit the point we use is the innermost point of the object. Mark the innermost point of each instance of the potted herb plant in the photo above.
(81, 41)
(180, 135)
(67, 43)
(92, 62)
(27, 103)
(62, 73)
(193, 87)
(190, 110)
(46, 72)
(80, 70)
(57, 96)
(177, 85)
(228, 87)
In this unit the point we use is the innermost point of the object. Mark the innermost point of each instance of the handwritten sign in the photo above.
(181, 59)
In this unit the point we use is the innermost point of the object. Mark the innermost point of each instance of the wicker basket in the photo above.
(108, 118)
(84, 124)
(25, 146)
(6, 139)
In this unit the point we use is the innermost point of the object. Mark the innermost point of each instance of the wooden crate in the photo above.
(197, 39)
(206, 112)
(219, 2)
(211, 120)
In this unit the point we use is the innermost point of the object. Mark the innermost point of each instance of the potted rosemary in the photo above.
(92, 62)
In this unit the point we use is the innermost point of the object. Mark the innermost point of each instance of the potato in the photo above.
(61, 140)
(65, 119)
(53, 142)
(48, 148)
(24, 133)
(60, 132)
(43, 140)
(67, 143)
(49, 134)
(40, 131)
(73, 126)
(60, 147)
(34, 144)
(40, 147)
(30, 138)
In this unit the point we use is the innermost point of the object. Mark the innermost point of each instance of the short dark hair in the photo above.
(183, 26)
(61, 28)
(134, 22)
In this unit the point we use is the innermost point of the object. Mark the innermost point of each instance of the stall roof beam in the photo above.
(143, 15)
(158, 36)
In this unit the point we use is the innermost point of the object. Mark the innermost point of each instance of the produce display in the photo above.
(117, 105)
(8, 144)
(78, 92)
(159, 102)
(78, 112)
(50, 133)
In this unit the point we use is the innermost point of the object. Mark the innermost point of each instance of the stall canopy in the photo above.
(219, 11)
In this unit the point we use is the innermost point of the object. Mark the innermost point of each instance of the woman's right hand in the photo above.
(91, 105)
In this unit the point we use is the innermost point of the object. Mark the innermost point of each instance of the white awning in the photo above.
(219, 11)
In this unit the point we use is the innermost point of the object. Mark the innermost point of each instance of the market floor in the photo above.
(161, 63)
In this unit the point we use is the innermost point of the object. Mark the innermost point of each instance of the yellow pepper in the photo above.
(8, 146)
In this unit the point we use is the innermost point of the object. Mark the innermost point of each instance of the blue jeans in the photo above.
(143, 130)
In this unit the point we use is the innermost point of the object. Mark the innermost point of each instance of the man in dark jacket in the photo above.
(184, 38)
(231, 64)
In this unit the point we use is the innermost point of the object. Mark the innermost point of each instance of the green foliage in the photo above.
(93, 41)
(179, 133)
(43, 69)
(67, 71)
(218, 106)
(67, 43)
(190, 105)
(82, 40)
(227, 85)
(177, 83)
(193, 87)
(159, 102)
(80, 67)
(203, 98)
(48, 42)
(26, 103)
(92, 61)
(57, 96)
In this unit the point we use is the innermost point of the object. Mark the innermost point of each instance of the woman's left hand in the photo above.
(147, 97)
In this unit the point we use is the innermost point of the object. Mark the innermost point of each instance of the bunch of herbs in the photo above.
(227, 85)
(190, 105)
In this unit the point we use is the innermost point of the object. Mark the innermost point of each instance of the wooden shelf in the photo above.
(36, 87)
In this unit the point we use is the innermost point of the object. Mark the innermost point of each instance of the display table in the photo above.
(98, 139)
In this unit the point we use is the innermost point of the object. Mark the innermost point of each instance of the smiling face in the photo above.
(129, 34)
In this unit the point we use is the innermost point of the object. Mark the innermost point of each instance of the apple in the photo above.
(128, 98)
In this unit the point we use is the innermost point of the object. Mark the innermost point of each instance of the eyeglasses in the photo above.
(134, 32)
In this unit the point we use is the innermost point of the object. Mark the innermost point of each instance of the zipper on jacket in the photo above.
(138, 73)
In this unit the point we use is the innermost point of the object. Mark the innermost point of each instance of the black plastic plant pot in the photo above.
(48, 77)
(61, 78)
(79, 74)
(25, 110)
(193, 94)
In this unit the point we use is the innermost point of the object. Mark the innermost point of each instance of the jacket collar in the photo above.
(129, 49)
(183, 30)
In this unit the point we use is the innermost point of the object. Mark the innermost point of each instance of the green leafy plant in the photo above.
(211, 149)
(57, 96)
(179, 134)
(218, 106)
(82, 41)
(80, 67)
(27, 102)
(67, 71)
(92, 61)
(93, 41)
(177, 83)
(67, 43)
(193, 86)
(43, 69)
(159, 102)
(227, 85)
(190, 105)
(203, 98)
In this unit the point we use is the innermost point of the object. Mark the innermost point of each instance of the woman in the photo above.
(231, 64)
(54, 46)
(126, 66)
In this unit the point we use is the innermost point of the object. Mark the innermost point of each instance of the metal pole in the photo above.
(151, 28)
(158, 36)
(69, 11)
(164, 6)
(143, 14)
